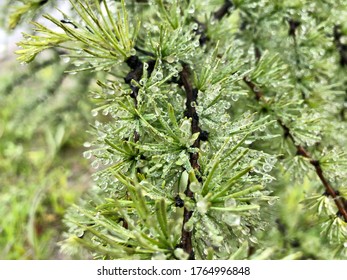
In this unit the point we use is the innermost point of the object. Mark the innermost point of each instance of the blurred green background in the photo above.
(44, 119)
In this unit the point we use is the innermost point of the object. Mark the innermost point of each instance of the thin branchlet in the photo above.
(302, 151)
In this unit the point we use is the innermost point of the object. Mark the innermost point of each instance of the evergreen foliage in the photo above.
(208, 113)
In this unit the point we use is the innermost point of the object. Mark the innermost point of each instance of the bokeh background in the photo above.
(44, 122)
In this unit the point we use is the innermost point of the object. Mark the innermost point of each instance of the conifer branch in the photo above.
(192, 94)
(302, 151)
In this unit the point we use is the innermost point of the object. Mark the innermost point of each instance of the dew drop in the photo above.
(181, 254)
(234, 97)
(253, 239)
(194, 187)
(202, 206)
(95, 113)
(87, 144)
(155, 89)
(170, 59)
(226, 105)
(133, 52)
(143, 81)
(95, 164)
(110, 92)
(158, 256)
(196, 43)
(232, 219)
(262, 128)
(230, 202)
(87, 154)
(79, 233)
(188, 226)
(66, 59)
(271, 160)
(183, 47)
(159, 75)
(105, 111)
(267, 167)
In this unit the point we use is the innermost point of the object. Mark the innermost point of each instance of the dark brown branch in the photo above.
(191, 102)
(201, 31)
(254, 88)
(293, 25)
(338, 200)
(342, 48)
(343, 109)
(135, 74)
(224, 10)
(191, 94)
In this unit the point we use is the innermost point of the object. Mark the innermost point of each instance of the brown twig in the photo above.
(341, 47)
(224, 10)
(191, 93)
